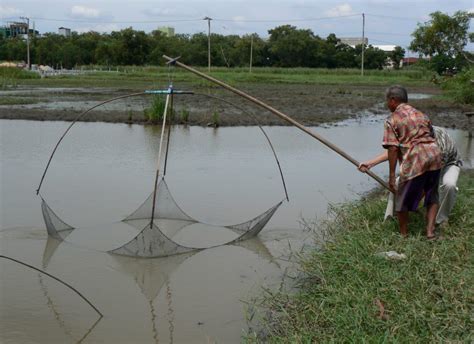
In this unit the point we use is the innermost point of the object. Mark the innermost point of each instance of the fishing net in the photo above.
(159, 218)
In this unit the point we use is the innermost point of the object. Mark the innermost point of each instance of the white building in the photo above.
(167, 30)
(353, 41)
(63, 31)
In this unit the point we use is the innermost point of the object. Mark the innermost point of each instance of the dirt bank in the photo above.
(309, 104)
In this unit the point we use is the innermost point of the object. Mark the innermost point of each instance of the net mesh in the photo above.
(152, 241)
(165, 207)
(155, 239)
(56, 227)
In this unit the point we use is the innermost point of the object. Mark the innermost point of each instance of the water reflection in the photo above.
(50, 248)
(219, 176)
(152, 276)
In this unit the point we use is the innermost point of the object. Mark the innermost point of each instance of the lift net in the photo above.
(159, 218)
(155, 238)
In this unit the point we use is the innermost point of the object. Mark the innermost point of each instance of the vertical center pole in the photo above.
(165, 112)
(169, 135)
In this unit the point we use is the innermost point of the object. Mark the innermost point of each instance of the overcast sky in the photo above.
(387, 22)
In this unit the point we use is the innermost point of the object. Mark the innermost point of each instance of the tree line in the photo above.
(287, 46)
(442, 40)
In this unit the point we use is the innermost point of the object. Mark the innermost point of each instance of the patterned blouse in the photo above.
(447, 146)
(411, 131)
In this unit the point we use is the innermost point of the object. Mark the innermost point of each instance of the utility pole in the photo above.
(27, 41)
(251, 53)
(208, 43)
(363, 44)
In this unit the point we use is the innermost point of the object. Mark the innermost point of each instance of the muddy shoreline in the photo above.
(309, 104)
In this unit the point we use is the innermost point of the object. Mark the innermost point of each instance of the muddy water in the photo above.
(102, 172)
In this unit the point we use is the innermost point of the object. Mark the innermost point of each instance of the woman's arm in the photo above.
(367, 165)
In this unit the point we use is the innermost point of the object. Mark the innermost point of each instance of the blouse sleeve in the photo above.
(389, 135)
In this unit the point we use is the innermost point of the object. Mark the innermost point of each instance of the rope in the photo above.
(57, 279)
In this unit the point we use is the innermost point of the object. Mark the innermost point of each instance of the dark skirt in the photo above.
(410, 193)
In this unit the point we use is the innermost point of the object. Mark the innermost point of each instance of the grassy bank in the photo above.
(349, 294)
(133, 77)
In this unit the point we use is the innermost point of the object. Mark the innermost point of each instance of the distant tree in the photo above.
(335, 54)
(131, 46)
(240, 53)
(443, 34)
(13, 49)
(196, 50)
(87, 43)
(291, 47)
(68, 54)
(47, 49)
(374, 58)
(396, 56)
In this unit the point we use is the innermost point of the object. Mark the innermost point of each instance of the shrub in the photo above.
(461, 87)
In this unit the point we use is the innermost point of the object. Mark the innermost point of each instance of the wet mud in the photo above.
(213, 106)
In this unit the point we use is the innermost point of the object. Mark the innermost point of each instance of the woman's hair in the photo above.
(398, 93)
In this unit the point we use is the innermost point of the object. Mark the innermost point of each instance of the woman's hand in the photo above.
(364, 166)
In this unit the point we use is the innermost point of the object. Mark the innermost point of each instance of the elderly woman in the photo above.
(409, 140)
(447, 189)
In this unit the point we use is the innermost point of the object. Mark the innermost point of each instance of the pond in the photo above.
(103, 172)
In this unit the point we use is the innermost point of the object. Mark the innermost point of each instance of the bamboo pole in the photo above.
(160, 149)
(57, 279)
(281, 115)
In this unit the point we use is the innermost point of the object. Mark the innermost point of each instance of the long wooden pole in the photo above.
(281, 115)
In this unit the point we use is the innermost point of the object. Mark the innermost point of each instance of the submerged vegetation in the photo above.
(156, 110)
(347, 293)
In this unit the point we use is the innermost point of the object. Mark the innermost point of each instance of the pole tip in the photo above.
(171, 61)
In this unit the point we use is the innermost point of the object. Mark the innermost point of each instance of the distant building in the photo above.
(407, 61)
(16, 29)
(353, 41)
(385, 47)
(168, 31)
(64, 31)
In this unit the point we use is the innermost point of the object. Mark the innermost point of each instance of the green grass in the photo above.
(427, 298)
(145, 77)
(12, 77)
(18, 101)
(17, 73)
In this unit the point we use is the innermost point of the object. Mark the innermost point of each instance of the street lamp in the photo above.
(27, 41)
(208, 43)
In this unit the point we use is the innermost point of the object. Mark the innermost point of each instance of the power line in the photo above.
(287, 20)
(99, 21)
(102, 21)
(376, 33)
(393, 17)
